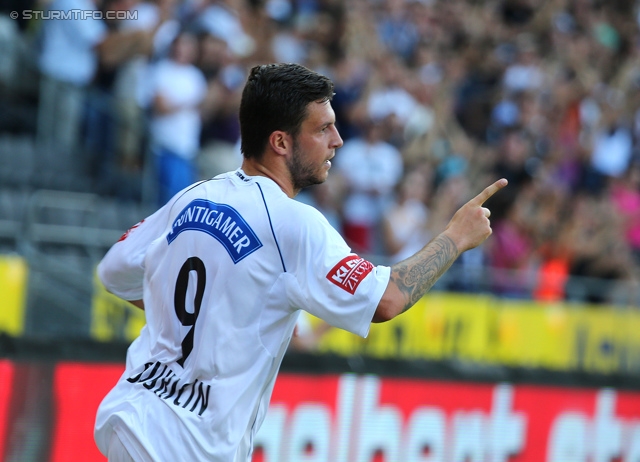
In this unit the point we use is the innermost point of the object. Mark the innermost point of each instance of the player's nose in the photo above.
(337, 139)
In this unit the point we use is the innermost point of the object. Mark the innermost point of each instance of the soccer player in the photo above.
(223, 270)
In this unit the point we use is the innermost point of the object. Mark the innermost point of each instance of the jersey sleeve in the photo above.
(122, 268)
(332, 283)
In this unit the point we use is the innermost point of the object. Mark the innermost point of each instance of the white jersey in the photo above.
(224, 269)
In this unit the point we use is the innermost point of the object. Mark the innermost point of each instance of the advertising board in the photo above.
(370, 418)
(349, 418)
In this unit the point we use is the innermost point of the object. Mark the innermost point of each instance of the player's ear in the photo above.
(280, 142)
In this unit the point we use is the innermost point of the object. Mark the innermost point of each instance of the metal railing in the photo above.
(63, 235)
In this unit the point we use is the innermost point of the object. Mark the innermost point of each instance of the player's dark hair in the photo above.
(276, 97)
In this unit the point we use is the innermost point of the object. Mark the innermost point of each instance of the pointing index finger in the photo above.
(488, 192)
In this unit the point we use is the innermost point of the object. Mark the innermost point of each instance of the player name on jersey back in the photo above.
(161, 380)
(220, 221)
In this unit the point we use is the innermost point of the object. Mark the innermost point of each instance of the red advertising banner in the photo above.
(78, 390)
(368, 418)
(352, 418)
(6, 379)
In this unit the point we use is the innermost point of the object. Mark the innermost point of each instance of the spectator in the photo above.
(525, 74)
(478, 88)
(389, 98)
(79, 59)
(625, 195)
(599, 254)
(110, 126)
(510, 254)
(350, 77)
(396, 29)
(220, 129)
(223, 19)
(450, 191)
(371, 167)
(404, 225)
(158, 19)
(178, 88)
(68, 62)
(612, 144)
(515, 152)
(548, 212)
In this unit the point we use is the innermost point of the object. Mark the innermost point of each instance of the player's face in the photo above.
(314, 147)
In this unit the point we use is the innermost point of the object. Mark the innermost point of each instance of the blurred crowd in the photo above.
(435, 99)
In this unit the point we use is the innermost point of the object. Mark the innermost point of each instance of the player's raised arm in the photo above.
(413, 277)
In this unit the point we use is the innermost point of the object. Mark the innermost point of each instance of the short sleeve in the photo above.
(332, 283)
(122, 268)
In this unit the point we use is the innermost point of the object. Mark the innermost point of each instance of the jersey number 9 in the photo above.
(179, 301)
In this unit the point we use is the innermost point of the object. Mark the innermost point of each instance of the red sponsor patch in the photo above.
(349, 273)
(126, 234)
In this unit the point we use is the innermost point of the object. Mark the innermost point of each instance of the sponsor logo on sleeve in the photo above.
(349, 273)
(220, 221)
(126, 234)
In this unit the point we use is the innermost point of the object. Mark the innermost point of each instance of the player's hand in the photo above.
(470, 226)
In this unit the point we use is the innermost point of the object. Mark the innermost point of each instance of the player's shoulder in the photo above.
(300, 211)
(283, 211)
(302, 222)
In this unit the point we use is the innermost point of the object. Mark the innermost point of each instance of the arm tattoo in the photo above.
(418, 273)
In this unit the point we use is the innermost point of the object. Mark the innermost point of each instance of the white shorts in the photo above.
(117, 451)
